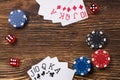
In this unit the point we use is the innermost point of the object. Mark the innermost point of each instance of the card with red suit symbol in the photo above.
(62, 11)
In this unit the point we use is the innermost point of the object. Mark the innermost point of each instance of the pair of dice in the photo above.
(11, 39)
(13, 61)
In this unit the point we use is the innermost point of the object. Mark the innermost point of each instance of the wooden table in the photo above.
(41, 38)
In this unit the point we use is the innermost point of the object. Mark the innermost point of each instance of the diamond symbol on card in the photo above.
(81, 7)
(64, 8)
(68, 9)
(74, 8)
(59, 7)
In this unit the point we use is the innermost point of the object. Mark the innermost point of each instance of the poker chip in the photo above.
(100, 58)
(82, 65)
(96, 39)
(17, 18)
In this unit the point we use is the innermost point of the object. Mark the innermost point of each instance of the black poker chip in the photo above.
(96, 39)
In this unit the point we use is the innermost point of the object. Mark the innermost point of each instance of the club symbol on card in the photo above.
(52, 74)
(68, 9)
(81, 7)
(74, 8)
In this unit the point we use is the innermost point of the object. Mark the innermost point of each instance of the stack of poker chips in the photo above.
(100, 58)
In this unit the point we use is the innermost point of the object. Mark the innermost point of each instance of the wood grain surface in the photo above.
(41, 38)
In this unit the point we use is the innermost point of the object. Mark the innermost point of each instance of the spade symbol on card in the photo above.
(43, 73)
(35, 78)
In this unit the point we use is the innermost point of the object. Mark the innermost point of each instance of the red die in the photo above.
(10, 39)
(93, 8)
(14, 62)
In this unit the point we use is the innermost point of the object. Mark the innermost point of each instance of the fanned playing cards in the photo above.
(62, 11)
(51, 69)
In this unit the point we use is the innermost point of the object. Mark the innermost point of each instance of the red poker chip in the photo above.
(100, 58)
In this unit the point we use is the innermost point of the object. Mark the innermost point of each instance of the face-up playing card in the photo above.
(56, 17)
(68, 74)
(72, 13)
(33, 72)
(55, 9)
(78, 12)
(56, 6)
(42, 67)
(64, 11)
(56, 70)
(51, 69)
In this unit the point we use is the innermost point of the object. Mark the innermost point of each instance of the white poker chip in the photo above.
(17, 18)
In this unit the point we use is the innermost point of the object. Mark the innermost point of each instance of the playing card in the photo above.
(58, 6)
(56, 71)
(68, 74)
(78, 12)
(64, 11)
(43, 66)
(55, 4)
(36, 69)
(51, 69)
(56, 16)
(73, 12)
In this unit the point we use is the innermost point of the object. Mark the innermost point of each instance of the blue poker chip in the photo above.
(82, 66)
(17, 18)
